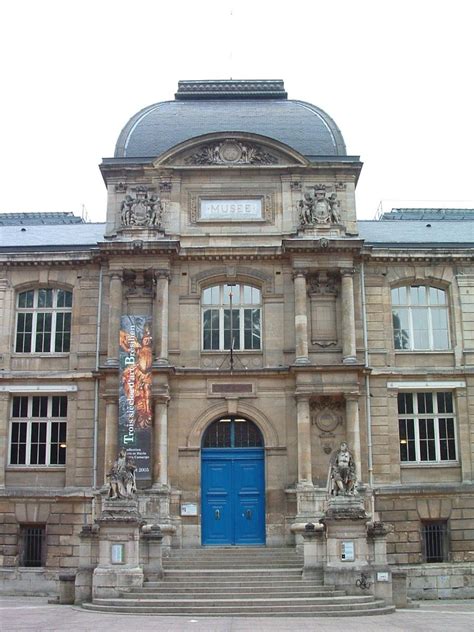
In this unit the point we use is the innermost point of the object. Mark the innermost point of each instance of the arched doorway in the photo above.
(232, 483)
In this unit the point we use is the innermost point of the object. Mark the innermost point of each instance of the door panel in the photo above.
(217, 502)
(233, 496)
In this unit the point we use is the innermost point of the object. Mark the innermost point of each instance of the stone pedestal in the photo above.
(314, 549)
(119, 549)
(152, 566)
(87, 563)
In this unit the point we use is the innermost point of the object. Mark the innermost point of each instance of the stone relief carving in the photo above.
(323, 283)
(231, 152)
(139, 282)
(317, 207)
(342, 472)
(145, 209)
(122, 483)
(326, 414)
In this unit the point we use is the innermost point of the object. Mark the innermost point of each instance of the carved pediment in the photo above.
(217, 150)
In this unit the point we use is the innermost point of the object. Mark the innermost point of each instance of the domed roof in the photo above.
(205, 107)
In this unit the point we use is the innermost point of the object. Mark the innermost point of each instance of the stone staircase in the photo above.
(240, 582)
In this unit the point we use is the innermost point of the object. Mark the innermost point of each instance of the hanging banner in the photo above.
(135, 408)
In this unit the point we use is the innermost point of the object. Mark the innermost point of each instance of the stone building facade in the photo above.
(281, 327)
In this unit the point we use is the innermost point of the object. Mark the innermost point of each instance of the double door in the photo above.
(233, 496)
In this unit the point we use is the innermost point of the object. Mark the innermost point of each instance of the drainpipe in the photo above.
(367, 388)
(96, 388)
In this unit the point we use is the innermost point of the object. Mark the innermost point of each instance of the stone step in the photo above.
(237, 594)
(229, 585)
(264, 607)
(244, 572)
(225, 565)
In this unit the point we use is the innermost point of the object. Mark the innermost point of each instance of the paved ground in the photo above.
(36, 615)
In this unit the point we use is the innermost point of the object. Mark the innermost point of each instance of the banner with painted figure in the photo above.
(135, 403)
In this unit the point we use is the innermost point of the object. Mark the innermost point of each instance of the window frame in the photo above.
(27, 438)
(34, 330)
(417, 418)
(428, 308)
(23, 547)
(443, 544)
(222, 307)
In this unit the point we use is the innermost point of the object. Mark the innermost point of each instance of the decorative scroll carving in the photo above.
(165, 186)
(317, 207)
(231, 152)
(145, 209)
(139, 282)
(122, 482)
(326, 413)
(120, 187)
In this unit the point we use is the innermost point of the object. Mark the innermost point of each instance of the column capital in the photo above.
(300, 273)
(303, 397)
(347, 272)
(116, 274)
(352, 397)
(161, 273)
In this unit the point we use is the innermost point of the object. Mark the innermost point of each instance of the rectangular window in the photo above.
(38, 429)
(435, 541)
(426, 425)
(32, 545)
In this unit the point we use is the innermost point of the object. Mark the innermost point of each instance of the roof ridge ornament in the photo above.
(231, 89)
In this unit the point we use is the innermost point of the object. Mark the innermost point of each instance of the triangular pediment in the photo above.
(229, 150)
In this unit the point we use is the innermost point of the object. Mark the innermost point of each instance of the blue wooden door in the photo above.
(233, 496)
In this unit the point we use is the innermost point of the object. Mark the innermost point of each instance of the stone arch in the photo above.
(270, 435)
(238, 273)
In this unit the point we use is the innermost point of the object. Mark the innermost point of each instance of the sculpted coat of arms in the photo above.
(145, 209)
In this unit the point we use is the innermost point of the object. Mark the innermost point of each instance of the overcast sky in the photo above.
(396, 76)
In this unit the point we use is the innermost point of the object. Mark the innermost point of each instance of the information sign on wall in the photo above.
(135, 408)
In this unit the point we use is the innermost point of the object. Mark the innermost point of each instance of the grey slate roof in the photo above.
(28, 219)
(414, 232)
(376, 233)
(207, 109)
(428, 214)
(44, 236)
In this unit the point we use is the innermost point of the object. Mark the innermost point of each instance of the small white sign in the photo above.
(347, 551)
(231, 210)
(189, 509)
(118, 553)
(382, 577)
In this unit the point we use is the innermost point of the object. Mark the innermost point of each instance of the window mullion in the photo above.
(241, 328)
(48, 440)
(430, 329)
(221, 328)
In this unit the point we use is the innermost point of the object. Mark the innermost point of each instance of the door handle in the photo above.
(248, 514)
(217, 514)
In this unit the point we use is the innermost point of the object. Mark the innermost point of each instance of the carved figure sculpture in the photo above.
(122, 482)
(317, 208)
(343, 472)
(142, 210)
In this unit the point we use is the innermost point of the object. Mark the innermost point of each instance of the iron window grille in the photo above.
(32, 545)
(435, 541)
(231, 315)
(43, 322)
(427, 428)
(38, 430)
(420, 318)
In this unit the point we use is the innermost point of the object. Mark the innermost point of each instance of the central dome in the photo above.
(205, 107)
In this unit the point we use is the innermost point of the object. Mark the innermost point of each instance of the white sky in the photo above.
(397, 77)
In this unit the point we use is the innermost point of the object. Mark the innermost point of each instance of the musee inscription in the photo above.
(231, 210)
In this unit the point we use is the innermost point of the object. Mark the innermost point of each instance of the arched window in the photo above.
(43, 323)
(420, 318)
(231, 315)
(232, 432)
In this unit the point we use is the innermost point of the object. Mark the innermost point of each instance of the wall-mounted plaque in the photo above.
(189, 509)
(347, 551)
(117, 553)
(232, 210)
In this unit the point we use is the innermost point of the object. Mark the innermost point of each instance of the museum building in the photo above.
(230, 325)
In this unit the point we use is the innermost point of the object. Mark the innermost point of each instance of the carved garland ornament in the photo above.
(231, 152)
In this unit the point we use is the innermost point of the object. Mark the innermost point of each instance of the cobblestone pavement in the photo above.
(36, 615)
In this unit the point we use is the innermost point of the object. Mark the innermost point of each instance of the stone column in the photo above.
(305, 477)
(111, 433)
(353, 430)
(161, 317)
(4, 447)
(160, 443)
(115, 312)
(301, 318)
(348, 317)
